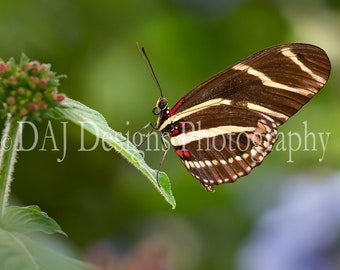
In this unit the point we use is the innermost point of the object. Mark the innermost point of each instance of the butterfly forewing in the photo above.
(226, 125)
(281, 79)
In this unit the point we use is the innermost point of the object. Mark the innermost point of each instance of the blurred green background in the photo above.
(107, 208)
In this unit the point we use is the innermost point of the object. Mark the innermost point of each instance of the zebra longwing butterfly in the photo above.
(225, 126)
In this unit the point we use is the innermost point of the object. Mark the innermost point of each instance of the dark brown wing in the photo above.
(282, 79)
(229, 122)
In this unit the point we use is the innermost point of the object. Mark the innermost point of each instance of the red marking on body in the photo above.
(174, 132)
(182, 153)
(175, 108)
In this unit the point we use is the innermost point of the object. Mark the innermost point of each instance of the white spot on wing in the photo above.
(215, 162)
(191, 164)
(208, 163)
(253, 152)
(245, 155)
(223, 162)
(197, 165)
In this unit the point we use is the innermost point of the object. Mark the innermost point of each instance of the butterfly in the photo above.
(227, 125)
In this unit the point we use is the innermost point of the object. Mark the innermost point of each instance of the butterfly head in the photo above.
(162, 110)
(161, 106)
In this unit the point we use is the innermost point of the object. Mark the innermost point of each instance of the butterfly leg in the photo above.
(166, 148)
(149, 125)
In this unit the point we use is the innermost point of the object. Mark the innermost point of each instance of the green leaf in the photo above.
(96, 124)
(29, 219)
(20, 252)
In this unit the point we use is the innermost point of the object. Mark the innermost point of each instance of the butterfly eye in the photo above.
(156, 110)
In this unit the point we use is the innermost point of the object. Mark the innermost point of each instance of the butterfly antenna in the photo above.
(147, 61)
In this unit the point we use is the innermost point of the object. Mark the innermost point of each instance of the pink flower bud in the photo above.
(43, 82)
(10, 100)
(32, 106)
(43, 105)
(21, 90)
(59, 97)
(3, 68)
(23, 112)
(13, 79)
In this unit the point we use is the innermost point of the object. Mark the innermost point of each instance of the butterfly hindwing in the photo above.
(221, 151)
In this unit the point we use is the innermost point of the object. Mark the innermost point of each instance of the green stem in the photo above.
(8, 148)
